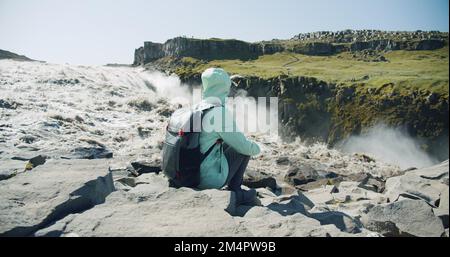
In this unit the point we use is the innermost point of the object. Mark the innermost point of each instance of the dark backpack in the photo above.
(181, 156)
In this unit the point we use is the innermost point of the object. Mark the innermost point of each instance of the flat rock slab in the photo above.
(151, 208)
(36, 198)
(9, 168)
(426, 184)
(154, 209)
(265, 222)
(404, 218)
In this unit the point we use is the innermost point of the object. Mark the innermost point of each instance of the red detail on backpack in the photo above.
(181, 133)
(177, 175)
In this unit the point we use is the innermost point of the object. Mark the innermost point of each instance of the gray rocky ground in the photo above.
(80, 156)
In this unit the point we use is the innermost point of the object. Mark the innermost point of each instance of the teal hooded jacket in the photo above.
(218, 123)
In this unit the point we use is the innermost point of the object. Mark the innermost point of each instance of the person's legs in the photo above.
(237, 163)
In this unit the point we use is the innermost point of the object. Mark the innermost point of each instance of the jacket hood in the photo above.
(216, 83)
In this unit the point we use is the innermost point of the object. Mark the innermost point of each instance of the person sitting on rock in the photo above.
(230, 152)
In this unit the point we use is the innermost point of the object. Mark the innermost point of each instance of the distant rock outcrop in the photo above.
(207, 49)
(9, 55)
(318, 43)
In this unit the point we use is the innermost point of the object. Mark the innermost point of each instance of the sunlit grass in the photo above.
(426, 70)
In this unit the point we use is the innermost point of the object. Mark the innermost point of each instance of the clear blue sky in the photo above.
(107, 31)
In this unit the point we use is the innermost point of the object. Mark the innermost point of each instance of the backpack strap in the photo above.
(218, 141)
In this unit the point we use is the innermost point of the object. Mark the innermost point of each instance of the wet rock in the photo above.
(9, 105)
(144, 132)
(283, 160)
(50, 192)
(28, 139)
(9, 168)
(404, 218)
(36, 161)
(165, 111)
(89, 153)
(142, 105)
(32, 161)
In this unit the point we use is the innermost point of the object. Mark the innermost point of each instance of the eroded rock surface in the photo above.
(34, 199)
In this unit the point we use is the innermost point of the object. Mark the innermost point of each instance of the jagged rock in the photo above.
(35, 199)
(367, 181)
(350, 191)
(265, 196)
(276, 224)
(289, 207)
(302, 174)
(442, 211)
(355, 209)
(426, 184)
(127, 181)
(322, 195)
(341, 220)
(207, 49)
(258, 179)
(36, 161)
(404, 218)
(140, 167)
(286, 189)
(320, 183)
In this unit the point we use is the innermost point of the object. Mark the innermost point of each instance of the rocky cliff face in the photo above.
(320, 43)
(391, 45)
(315, 109)
(349, 36)
(209, 49)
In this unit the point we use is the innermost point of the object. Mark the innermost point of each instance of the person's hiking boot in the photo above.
(245, 196)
